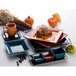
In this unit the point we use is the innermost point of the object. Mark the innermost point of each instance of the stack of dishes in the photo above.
(57, 37)
(47, 47)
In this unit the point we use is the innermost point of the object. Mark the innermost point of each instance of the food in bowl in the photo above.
(44, 30)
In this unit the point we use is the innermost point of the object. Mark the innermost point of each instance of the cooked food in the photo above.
(38, 35)
(44, 30)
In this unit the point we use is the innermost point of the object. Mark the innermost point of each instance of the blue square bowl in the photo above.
(59, 52)
(16, 46)
(38, 58)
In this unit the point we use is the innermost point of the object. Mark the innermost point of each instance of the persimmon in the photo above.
(70, 49)
(29, 20)
(52, 21)
(57, 16)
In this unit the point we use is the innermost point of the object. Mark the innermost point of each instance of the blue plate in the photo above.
(59, 52)
(16, 46)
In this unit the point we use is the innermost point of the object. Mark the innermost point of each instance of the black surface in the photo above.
(34, 63)
(35, 45)
(38, 46)
(58, 51)
(6, 37)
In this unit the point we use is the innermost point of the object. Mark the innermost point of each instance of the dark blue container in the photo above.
(38, 58)
(16, 46)
(59, 52)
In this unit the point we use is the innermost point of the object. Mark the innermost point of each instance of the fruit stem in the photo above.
(52, 19)
(29, 17)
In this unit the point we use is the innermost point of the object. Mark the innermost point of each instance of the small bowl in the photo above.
(59, 52)
(48, 56)
(38, 58)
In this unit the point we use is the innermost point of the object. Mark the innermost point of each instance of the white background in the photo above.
(39, 6)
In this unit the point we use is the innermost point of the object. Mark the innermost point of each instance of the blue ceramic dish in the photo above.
(59, 52)
(16, 46)
(38, 58)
